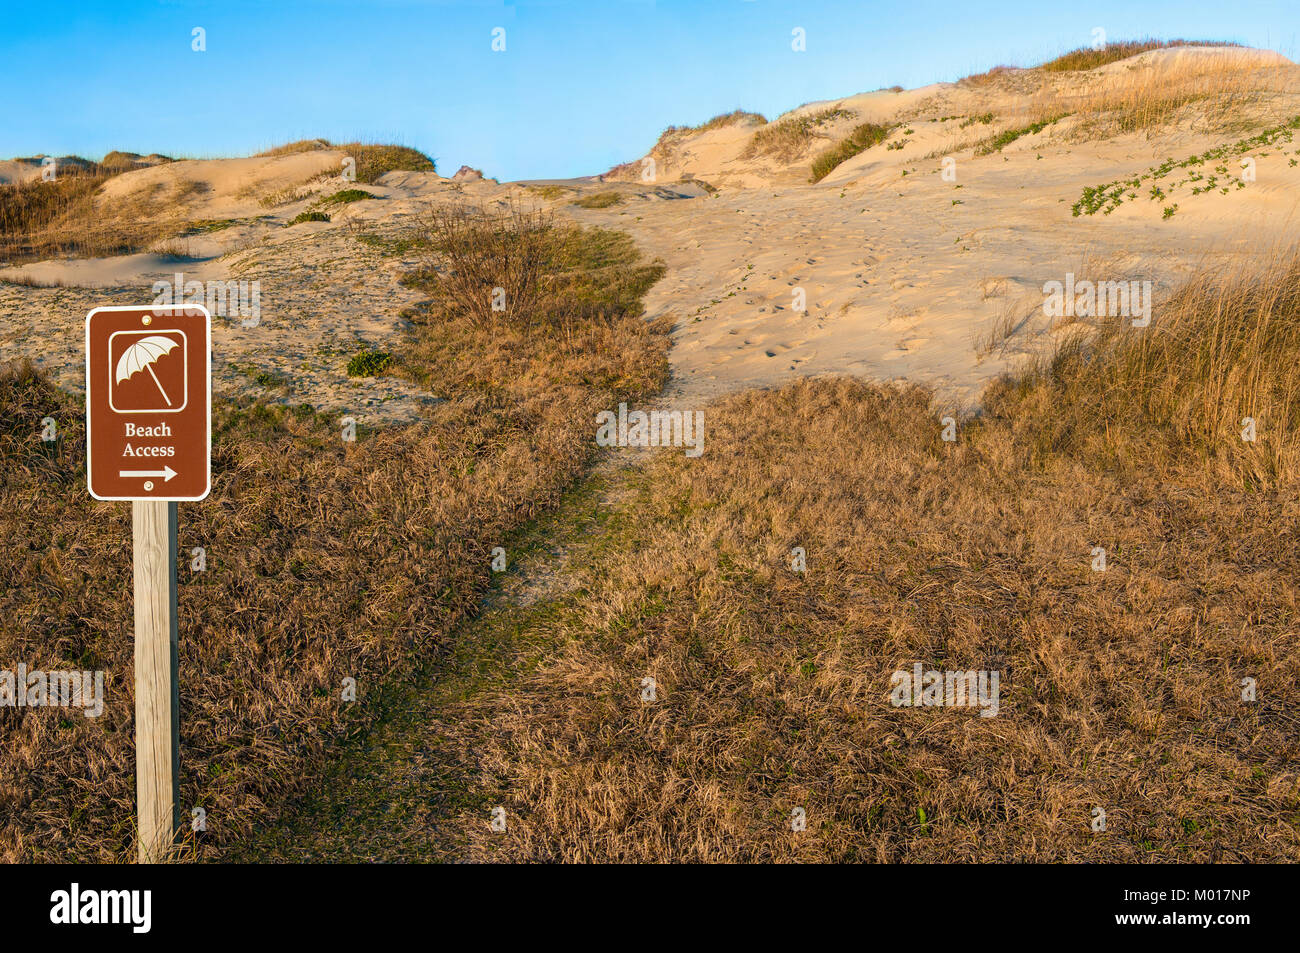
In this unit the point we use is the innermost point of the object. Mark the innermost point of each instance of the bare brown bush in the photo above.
(541, 273)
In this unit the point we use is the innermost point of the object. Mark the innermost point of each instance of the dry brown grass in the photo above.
(1222, 348)
(1232, 91)
(1120, 689)
(549, 272)
(717, 122)
(293, 148)
(325, 559)
(1236, 90)
(788, 139)
(373, 159)
(1086, 58)
(990, 77)
(69, 217)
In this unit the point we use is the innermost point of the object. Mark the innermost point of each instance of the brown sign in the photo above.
(148, 402)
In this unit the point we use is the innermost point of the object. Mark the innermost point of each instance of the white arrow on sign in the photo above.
(166, 473)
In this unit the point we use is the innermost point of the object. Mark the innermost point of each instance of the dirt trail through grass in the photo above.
(413, 789)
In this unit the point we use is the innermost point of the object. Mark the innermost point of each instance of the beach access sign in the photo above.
(149, 403)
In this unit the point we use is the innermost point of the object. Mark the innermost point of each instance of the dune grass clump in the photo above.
(664, 145)
(346, 196)
(372, 159)
(599, 199)
(996, 143)
(375, 160)
(118, 161)
(1232, 92)
(859, 140)
(1223, 347)
(41, 219)
(989, 77)
(787, 139)
(209, 225)
(547, 191)
(717, 122)
(294, 148)
(1086, 58)
(523, 268)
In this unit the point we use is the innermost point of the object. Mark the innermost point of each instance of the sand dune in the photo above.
(909, 269)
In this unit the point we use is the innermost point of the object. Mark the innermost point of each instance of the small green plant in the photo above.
(1170, 210)
(368, 363)
(1108, 197)
(599, 200)
(309, 217)
(345, 196)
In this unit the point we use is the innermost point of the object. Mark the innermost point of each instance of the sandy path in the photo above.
(900, 282)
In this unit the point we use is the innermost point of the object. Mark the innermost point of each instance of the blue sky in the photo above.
(579, 87)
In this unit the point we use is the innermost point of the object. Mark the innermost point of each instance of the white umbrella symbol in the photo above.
(140, 357)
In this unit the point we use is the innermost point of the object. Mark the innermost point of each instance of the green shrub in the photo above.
(368, 363)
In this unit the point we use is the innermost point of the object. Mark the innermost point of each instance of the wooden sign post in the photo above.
(157, 689)
(148, 440)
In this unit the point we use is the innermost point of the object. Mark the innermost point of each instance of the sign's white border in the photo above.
(207, 400)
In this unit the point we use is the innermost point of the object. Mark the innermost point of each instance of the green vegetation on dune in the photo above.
(1002, 139)
(787, 138)
(1107, 197)
(599, 200)
(344, 196)
(859, 140)
(372, 159)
